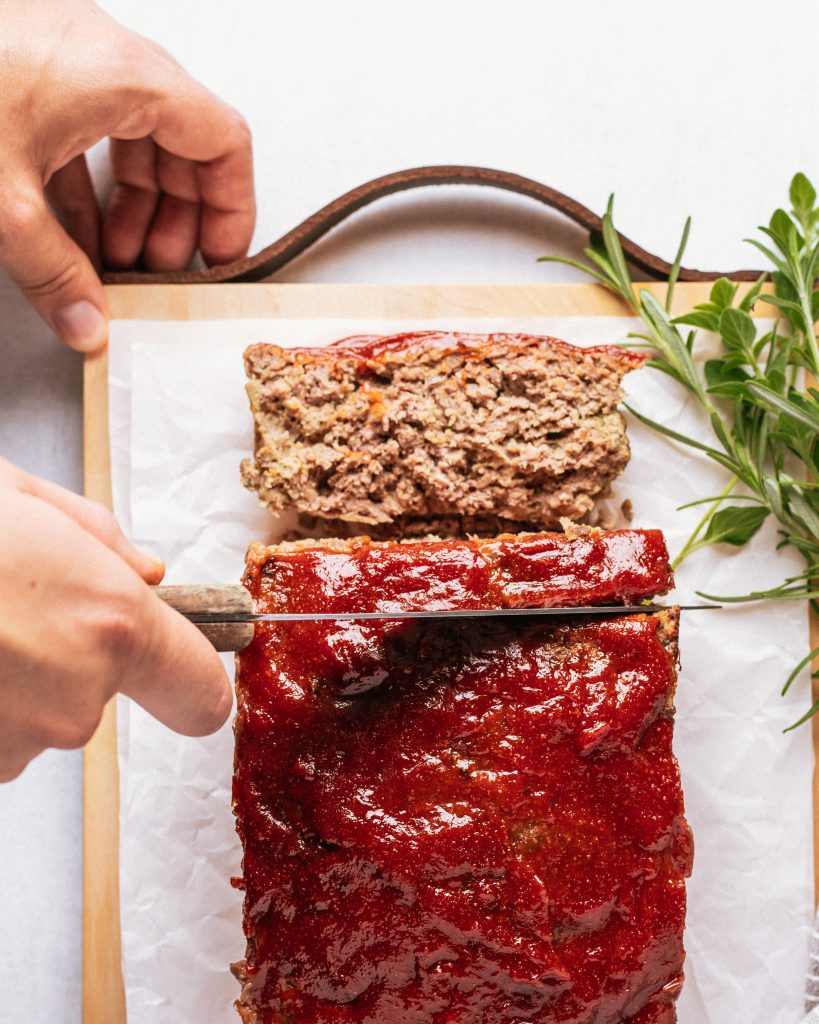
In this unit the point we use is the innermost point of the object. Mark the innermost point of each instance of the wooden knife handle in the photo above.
(229, 599)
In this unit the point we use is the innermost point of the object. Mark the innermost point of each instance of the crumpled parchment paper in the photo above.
(179, 427)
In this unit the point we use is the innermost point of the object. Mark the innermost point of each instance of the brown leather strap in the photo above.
(270, 260)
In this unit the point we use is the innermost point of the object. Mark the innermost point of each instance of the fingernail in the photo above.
(81, 325)
(153, 568)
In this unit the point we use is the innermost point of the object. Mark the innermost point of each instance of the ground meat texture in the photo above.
(470, 822)
(422, 426)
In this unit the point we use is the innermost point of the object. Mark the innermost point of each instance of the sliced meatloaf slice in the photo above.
(387, 430)
(535, 570)
(469, 821)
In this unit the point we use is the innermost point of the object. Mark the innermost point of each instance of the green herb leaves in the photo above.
(765, 425)
(764, 421)
(734, 524)
(803, 200)
(794, 252)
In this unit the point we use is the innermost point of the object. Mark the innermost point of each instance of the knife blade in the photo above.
(224, 614)
(445, 613)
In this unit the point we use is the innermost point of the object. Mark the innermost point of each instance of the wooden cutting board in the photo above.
(103, 990)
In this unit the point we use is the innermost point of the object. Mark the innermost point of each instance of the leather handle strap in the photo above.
(276, 256)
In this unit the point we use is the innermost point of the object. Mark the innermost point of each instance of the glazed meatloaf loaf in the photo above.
(419, 427)
(460, 821)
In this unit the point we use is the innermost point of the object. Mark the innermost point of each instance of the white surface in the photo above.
(671, 106)
(180, 426)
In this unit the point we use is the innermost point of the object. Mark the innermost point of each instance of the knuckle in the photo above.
(22, 211)
(141, 46)
(60, 278)
(131, 50)
(118, 625)
(142, 63)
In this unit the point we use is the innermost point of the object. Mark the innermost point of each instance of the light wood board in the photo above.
(103, 990)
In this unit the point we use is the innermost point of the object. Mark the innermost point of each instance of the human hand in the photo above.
(182, 162)
(78, 624)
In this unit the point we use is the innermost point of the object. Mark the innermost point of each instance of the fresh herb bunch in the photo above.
(764, 418)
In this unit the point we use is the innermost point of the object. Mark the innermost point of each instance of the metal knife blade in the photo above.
(459, 613)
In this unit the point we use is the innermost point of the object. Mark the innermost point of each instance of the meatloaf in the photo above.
(435, 425)
(461, 821)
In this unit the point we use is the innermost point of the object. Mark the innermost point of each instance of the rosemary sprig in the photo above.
(764, 420)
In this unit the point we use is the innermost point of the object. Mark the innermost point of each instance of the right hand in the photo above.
(78, 623)
(181, 159)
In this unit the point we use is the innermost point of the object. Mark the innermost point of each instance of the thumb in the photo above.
(52, 271)
(176, 675)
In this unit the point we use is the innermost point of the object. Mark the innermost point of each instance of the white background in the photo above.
(703, 108)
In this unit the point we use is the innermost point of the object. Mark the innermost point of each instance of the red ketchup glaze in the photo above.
(375, 348)
(467, 822)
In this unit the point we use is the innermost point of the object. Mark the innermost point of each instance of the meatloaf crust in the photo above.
(477, 822)
(379, 430)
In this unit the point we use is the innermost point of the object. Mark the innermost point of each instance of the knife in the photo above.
(225, 615)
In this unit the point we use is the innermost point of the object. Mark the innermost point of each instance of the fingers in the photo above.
(183, 164)
(71, 195)
(156, 212)
(133, 203)
(206, 158)
(197, 126)
(76, 626)
(173, 238)
(93, 518)
(178, 677)
(97, 520)
(225, 230)
(53, 272)
(153, 213)
(171, 670)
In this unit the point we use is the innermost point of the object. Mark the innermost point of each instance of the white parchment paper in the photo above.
(179, 427)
